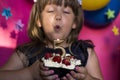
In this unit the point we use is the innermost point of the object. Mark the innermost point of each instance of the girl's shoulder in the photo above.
(24, 47)
(26, 52)
(27, 48)
(80, 49)
(83, 44)
(86, 43)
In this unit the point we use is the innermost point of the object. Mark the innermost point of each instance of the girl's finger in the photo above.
(81, 69)
(46, 73)
(78, 75)
(64, 78)
(52, 77)
(69, 77)
(42, 67)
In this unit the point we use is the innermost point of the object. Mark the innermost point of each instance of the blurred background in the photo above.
(101, 25)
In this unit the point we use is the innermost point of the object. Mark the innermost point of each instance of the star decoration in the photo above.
(13, 34)
(115, 30)
(110, 14)
(19, 25)
(6, 13)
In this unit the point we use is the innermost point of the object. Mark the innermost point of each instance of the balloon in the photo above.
(91, 5)
(98, 19)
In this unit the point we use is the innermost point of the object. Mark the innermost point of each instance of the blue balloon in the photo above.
(98, 19)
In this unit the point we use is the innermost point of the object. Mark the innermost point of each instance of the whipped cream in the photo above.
(50, 63)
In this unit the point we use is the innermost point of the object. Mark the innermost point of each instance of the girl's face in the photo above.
(57, 21)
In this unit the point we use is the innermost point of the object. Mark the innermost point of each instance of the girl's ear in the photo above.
(38, 23)
(74, 26)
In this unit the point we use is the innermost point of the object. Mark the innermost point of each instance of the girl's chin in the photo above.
(57, 36)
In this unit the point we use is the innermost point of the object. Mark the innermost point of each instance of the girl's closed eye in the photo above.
(66, 12)
(50, 11)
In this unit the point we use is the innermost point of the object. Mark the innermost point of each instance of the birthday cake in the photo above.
(62, 63)
(57, 61)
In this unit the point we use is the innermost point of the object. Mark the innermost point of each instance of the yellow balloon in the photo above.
(92, 5)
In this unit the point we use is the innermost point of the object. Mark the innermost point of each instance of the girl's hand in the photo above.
(80, 74)
(47, 74)
(39, 72)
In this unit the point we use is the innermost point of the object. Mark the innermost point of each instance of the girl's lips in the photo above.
(57, 28)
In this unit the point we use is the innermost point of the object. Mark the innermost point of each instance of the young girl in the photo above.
(51, 20)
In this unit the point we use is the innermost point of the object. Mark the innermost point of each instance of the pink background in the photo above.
(107, 44)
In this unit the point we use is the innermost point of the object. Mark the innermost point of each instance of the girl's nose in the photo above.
(58, 16)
